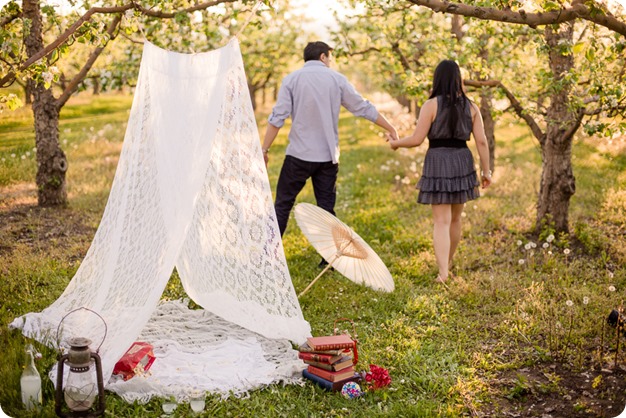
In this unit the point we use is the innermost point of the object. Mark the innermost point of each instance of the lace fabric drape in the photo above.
(190, 192)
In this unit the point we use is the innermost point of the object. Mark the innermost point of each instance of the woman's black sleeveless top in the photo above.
(440, 128)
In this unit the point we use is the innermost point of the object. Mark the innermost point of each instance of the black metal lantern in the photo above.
(76, 394)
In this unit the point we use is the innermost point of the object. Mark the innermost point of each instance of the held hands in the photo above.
(392, 138)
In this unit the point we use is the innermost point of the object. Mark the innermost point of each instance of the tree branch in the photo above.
(103, 10)
(517, 106)
(406, 65)
(364, 51)
(73, 85)
(10, 18)
(574, 127)
(578, 10)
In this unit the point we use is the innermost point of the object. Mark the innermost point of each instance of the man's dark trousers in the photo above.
(293, 177)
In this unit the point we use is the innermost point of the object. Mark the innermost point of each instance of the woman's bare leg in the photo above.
(455, 230)
(442, 218)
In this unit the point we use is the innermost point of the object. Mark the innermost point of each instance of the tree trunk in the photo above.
(404, 101)
(51, 161)
(485, 111)
(485, 106)
(96, 86)
(253, 90)
(558, 184)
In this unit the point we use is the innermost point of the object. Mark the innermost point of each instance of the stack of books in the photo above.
(330, 361)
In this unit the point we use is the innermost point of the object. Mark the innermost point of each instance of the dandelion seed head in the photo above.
(545, 245)
(569, 303)
(566, 251)
(611, 275)
(585, 300)
(550, 238)
(519, 242)
(527, 247)
(521, 261)
(611, 288)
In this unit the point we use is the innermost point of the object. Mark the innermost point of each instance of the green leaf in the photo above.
(579, 47)
(13, 102)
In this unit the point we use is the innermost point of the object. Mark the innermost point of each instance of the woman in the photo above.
(449, 178)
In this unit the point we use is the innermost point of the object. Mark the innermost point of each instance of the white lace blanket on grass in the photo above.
(190, 192)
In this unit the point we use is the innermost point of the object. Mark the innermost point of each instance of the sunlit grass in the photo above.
(446, 349)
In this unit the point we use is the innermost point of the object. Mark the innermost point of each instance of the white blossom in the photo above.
(47, 76)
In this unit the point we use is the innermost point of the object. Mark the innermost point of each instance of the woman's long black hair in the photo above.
(447, 82)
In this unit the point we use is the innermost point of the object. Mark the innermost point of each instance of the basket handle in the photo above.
(355, 351)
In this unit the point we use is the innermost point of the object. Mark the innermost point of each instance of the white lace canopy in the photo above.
(191, 191)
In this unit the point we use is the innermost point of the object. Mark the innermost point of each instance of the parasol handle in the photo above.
(330, 264)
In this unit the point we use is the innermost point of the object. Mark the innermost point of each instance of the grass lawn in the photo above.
(518, 332)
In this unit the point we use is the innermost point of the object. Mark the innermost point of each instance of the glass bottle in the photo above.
(30, 382)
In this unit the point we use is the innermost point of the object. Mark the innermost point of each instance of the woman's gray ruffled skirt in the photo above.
(449, 177)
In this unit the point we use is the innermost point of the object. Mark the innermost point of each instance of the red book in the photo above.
(344, 363)
(304, 348)
(320, 358)
(330, 342)
(331, 376)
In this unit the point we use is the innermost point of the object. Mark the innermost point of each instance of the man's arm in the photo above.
(358, 106)
(270, 136)
(276, 120)
(384, 123)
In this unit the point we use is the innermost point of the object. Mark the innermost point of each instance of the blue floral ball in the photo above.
(351, 390)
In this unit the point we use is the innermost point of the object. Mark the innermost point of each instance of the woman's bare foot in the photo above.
(440, 279)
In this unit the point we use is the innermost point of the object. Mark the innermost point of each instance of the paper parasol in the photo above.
(343, 248)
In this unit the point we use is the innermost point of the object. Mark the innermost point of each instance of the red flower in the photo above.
(377, 377)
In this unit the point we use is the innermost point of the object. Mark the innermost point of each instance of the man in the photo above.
(313, 96)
